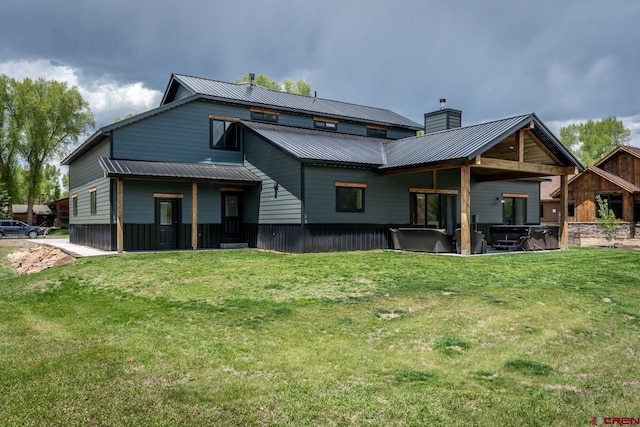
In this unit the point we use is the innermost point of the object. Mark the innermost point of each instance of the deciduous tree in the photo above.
(300, 87)
(592, 140)
(8, 142)
(50, 116)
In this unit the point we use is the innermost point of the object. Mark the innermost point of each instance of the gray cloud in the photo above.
(566, 60)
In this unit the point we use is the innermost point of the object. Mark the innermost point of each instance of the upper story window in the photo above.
(74, 204)
(224, 133)
(350, 196)
(326, 124)
(264, 115)
(376, 131)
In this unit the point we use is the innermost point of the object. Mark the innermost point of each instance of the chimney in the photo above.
(442, 119)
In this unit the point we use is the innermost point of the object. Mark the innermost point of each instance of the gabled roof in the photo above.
(449, 146)
(247, 94)
(310, 145)
(37, 209)
(177, 171)
(608, 176)
(634, 151)
(467, 142)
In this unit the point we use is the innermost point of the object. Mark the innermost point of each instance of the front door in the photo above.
(167, 220)
(231, 219)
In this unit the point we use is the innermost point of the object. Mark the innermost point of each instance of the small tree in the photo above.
(606, 221)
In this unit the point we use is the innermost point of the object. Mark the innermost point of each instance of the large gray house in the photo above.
(218, 164)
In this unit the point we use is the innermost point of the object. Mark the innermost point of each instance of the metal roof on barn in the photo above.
(245, 93)
(177, 171)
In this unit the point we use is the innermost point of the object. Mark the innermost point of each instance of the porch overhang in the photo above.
(173, 171)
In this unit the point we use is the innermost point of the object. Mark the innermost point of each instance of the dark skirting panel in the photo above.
(324, 237)
(144, 237)
(94, 235)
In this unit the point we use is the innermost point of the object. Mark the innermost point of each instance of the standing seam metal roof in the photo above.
(178, 171)
(311, 144)
(253, 94)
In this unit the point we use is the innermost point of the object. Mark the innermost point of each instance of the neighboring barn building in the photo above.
(220, 164)
(42, 215)
(616, 179)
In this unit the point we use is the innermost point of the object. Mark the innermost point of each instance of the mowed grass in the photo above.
(363, 338)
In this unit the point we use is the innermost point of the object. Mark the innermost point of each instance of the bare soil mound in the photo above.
(37, 258)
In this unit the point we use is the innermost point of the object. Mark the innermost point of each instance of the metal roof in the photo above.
(467, 142)
(37, 209)
(177, 171)
(245, 93)
(322, 146)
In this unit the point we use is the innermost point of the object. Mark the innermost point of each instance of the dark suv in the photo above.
(12, 227)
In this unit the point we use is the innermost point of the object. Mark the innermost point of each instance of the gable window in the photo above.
(433, 209)
(614, 202)
(263, 115)
(514, 209)
(326, 124)
(74, 204)
(376, 131)
(350, 196)
(224, 133)
(93, 201)
(571, 206)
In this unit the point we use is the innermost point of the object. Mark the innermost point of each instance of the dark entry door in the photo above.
(231, 219)
(167, 220)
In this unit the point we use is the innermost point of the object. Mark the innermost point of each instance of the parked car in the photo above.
(12, 227)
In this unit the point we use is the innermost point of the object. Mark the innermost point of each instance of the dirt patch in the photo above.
(37, 258)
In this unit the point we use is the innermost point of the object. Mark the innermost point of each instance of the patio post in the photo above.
(194, 215)
(465, 210)
(119, 216)
(564, 223)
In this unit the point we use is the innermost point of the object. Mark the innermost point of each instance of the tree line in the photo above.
(39, 120)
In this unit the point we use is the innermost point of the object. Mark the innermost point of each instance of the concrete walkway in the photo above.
(71, 248)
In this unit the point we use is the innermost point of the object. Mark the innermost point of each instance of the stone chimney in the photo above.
(443, 119)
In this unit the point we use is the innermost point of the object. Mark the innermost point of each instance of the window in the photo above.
(326, 124)
(74, 202)
(614, 202)
(263, 115)
(514, 209)
(93, 201)
(434, 210)
(224, 134)
(376, 131)
(350, 197)
(572, 209)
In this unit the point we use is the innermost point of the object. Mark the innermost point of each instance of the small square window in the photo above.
(224, 135)
(349, 199)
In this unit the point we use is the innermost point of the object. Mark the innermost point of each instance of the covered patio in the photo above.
(516, 148)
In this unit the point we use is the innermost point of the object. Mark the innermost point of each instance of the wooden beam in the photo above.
(351, 184)
(465, 210)
(434, 179)
(520, 146)
(564, 215)
(119, 217)
(194, 215)
(168, 196)
(510, 165)
(431, 191)
(418, 169)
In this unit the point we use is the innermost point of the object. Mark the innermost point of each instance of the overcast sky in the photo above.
(566, 60)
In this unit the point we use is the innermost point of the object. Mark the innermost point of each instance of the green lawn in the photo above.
(363, 338)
